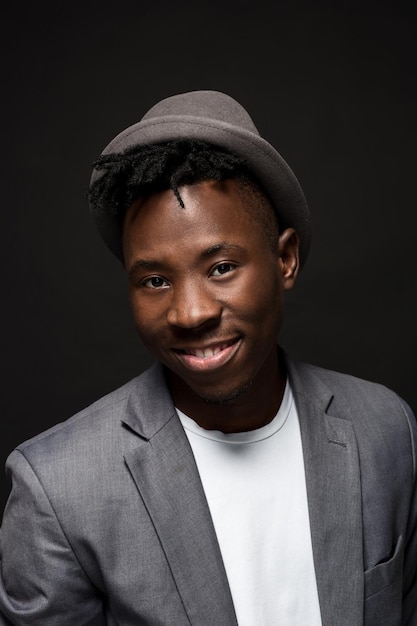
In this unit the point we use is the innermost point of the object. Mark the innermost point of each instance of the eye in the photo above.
(155, 282)
(223, 268)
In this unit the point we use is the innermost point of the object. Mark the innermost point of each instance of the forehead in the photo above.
(213, 212)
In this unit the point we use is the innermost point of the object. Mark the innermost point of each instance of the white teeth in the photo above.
(206, 352)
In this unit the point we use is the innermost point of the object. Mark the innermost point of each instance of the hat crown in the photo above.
(204, 104)
(217, 119)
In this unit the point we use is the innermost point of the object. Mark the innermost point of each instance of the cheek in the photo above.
(147, 317)
(258, 297)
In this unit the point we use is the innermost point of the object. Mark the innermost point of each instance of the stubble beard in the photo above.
(224, 399)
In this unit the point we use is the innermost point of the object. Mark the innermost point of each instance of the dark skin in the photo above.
(207, 295)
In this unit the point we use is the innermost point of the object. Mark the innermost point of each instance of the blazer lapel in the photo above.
(334, 498)
(166, 476)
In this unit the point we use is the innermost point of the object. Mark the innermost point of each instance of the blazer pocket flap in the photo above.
(385, 573)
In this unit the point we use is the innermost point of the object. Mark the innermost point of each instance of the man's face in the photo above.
(206, 288)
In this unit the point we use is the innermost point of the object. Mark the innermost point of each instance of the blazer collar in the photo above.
(149, 405)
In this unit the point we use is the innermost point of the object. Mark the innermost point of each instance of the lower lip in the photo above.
(206, 364)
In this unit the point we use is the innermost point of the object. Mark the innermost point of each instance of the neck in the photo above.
(255, 406)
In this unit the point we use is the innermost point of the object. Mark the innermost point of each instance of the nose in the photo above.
(192, 305)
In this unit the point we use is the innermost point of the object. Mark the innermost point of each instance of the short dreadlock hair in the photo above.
(143, 170)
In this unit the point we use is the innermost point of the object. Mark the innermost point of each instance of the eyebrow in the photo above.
(147, 264)
(153, 265)
(222, 246)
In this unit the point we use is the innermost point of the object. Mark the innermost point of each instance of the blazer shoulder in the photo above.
(366, 404)
(353, 390)
(94, 423)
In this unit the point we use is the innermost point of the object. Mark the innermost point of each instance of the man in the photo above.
(226, 484)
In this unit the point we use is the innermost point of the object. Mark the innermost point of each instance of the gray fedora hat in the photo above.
(218, 119)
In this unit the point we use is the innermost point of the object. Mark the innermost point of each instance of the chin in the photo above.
(223, 398)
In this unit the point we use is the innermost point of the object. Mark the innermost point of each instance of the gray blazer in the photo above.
(108, 524)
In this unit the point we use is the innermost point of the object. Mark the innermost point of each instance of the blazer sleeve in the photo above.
(41, 581)
(409, 613)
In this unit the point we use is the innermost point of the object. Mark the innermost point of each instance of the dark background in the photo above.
(331, 85)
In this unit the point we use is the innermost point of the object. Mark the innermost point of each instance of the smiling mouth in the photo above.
(206, 353)
(210, 357)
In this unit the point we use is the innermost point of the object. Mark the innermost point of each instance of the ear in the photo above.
(288, 257)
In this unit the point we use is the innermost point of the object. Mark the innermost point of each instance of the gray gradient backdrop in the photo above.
(331, 85)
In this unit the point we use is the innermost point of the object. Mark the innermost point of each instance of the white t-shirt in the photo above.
(255, 487)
